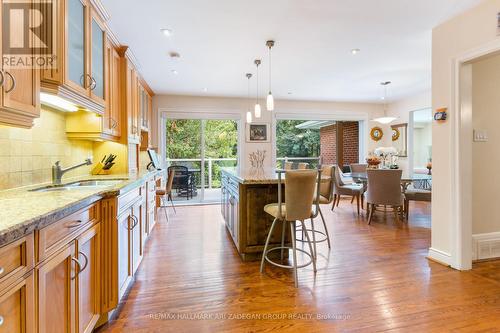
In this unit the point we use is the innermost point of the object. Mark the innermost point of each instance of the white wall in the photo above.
(452, 39)
(485, 159)
(422, 143)
(286, 108)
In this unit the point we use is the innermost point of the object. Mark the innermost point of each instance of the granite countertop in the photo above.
(258, 175)
(22, 211)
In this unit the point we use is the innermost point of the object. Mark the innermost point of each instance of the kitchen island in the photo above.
(244, 195)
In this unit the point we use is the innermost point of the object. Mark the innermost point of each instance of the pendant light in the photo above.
(270, 98)
(258, 110)
(249, 112)
(385, 119)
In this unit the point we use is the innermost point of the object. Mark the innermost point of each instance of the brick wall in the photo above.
(328, 139)
(351, 142)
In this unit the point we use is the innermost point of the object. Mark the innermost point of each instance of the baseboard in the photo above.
(486, 246)
(440, 257)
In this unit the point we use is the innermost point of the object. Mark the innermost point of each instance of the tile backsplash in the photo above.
(27, 155)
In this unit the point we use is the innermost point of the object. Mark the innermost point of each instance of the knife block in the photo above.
(98, 169)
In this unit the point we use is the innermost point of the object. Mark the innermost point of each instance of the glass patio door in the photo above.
(200, 147)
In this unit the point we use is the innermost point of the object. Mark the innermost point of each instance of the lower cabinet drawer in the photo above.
(55, 236)
(16, 259)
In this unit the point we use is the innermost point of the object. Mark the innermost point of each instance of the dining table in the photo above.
(424, 180)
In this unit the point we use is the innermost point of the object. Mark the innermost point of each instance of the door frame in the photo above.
(174, 113)
(461, 139)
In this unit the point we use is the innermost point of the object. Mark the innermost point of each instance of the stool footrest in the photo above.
(317, 240)
(287, 266)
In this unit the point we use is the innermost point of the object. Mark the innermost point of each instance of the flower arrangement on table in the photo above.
(388, 154)
(429, 167)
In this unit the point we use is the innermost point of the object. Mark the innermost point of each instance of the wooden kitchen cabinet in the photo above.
(17, 307)
(19, 91)
(79, 75)
(57, 292)
(88, 279)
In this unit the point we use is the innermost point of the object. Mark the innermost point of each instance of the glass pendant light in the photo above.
(270, 98)
(258, 110)
(385, 119)
(249, 113)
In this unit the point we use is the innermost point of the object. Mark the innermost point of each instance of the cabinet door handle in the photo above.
(79, 267)
(1, 320)
(135, 223)
(2, 270)
(2, 78)
(75, 224)
(93, 83)
(86, 262)
(114, 123)
(13, 86)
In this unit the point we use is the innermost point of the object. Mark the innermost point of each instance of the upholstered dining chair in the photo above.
(384, 189)
(303, 166)
(413, 194)
(288, 166)
(358, 167)
(340, 188)
(165, 195)
(300, 191)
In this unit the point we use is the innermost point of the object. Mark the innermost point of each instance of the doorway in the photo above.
(198, 149)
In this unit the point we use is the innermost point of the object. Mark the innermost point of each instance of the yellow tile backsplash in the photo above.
(27, 155)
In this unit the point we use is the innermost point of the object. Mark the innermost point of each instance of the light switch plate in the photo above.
(480, 136)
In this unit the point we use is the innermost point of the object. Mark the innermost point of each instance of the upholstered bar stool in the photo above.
(300, 190)
(325, 198)
(165, 195)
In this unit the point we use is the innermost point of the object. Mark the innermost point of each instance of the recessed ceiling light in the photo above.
(174, 72)
(355, 51)
(205, 89)
(167, 32)
(289, 93)
(382, 98)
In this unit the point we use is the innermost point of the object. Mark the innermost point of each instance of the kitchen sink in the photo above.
(83, 184)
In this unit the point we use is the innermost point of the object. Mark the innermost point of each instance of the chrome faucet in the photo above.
(58, 172)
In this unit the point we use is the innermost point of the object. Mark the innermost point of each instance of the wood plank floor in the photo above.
(374, 279)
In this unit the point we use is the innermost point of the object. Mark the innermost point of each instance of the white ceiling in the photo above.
(219, 39)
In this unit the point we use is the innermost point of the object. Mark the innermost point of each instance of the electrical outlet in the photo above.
(480, 136)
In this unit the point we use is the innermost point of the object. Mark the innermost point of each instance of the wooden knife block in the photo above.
(98, 170)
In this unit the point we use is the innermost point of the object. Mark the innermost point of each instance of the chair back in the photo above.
(384, 187)
(180, 174)
(359, 168)
(326, 187)
(303, 166)
(300, 188)
(288, 165)
(170, 180)
(337, 177)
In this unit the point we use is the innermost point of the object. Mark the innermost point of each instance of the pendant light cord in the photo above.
(269, 69)
(257, 92)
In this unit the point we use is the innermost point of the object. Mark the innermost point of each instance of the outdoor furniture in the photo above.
(183, 181)
(300, 189)
(166, 194)
(384, 189)
(288, 165)
(340, 188)
(415, 194)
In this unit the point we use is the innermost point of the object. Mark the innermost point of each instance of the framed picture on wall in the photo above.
(258, 133)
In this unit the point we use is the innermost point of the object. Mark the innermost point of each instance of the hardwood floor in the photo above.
(375, 278)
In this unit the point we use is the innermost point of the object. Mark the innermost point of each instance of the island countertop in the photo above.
(258, 175)
(22, 210)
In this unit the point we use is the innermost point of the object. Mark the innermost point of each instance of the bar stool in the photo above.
(165, 195)
(300, 190)
(325, 198)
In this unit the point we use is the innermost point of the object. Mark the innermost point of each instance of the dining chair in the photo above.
(165, 195)
(288, 166)
(303, 166)
(358, 167)
(300, 194)
(384, 189)
(415, 194)
(340, 188)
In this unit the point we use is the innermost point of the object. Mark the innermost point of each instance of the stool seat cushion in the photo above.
(322, 200)
(272, 209)
(418, 195)
(161, 191)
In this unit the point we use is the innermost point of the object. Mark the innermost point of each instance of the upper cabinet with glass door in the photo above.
(79, 74)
